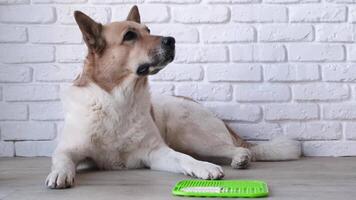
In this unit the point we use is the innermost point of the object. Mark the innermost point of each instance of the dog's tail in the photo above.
(277, 149)
(280, 148)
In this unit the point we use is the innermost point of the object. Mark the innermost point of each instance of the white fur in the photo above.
(117, 131)
(280, 148)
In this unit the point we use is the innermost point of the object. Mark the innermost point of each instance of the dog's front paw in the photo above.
(60, 179)
(242, 159)
(204, 170)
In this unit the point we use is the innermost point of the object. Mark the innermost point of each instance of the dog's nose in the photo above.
(168, 41)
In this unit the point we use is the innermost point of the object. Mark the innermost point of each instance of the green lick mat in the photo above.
(221, 188)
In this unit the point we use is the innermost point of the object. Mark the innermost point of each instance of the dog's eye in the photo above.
(130, 35)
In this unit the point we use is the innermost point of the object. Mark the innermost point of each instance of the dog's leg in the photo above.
(63, 170)
(240, 157)
(166, 159)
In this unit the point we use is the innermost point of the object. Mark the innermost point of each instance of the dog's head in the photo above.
(125, 47)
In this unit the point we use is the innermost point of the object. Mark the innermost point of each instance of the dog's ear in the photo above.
(134, 15)
(91, 31)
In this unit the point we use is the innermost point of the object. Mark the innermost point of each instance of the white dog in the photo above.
(112, 118)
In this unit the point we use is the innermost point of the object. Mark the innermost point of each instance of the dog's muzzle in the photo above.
(168, 44)
(161, 59)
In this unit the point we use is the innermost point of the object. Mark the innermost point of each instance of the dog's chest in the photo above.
(117, 130)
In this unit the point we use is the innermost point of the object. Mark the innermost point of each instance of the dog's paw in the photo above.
(204, 170)
(60, 179)
(242, 159)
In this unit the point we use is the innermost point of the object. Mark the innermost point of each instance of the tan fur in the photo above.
(110, 66)
(186, 98)
(140, 83)
(238, 141)
(152, 112)
(134, 15)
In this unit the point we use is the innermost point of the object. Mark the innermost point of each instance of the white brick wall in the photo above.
(267, 67)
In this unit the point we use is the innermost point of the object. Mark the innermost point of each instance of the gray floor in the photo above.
(308, 178)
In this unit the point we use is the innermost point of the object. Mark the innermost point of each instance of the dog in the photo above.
(112, 119)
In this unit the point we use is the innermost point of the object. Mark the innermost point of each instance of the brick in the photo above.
(16, 53)
(257, 131)
(290, 1)
(35, 148)
(160, 88)
(315, 52)
(205, 92)
(201, 14)
(59, 1)
(329, 148)
(341, 1)
(184, 72)
(50, 35)
(15, 74)
(340, 111)
(181, 33)
(285, 33)
(339, 72)
(59, 126)
(13, 111)
(31, 92)
(28, 131)
(258, 52)
(99, 14)
(174, 1)
(227, 33)
(14, 1)
(291, 72)
(351, 52)
(200, 54)
(266, 13)
(321, 92)
(314, 130)
(317, 13)
(120, 12)
(291, 111)
(335, 33)
(13, 34)
(262, 93)
(115, 1)
(27, 14)
(56, 73)
(7, 149)
(63, 86)
(46, 111)
(234, 72)
(248, 113)
(352, 14)
(149, 13)
(71, 53)
(350, 130)
(234, 1)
